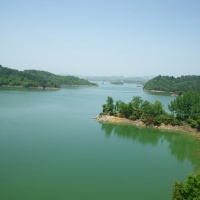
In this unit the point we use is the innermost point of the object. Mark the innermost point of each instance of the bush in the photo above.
(170, 119)
(198, 124)
(190, 190)
(26, 84)
(148, 120)
(157, 121)
(192, 123)
(133, 117)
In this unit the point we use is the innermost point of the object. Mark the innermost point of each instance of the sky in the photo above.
(101, 37)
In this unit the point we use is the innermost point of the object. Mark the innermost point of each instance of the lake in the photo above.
(51, 148)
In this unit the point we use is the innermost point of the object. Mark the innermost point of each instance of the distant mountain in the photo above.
(36, 78)
(174, 85)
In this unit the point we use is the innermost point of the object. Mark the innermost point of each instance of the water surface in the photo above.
(51, 148)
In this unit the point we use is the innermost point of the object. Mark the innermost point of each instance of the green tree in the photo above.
(186, 106)
(136, 102)
(147, 108)
(123, 110)
(110, 104)
(158, 109)
(108, 108)
(190, 190)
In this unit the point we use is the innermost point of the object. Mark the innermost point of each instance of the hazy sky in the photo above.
(101, 37)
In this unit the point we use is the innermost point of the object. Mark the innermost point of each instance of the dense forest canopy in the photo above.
(171, 84)
(35, 78)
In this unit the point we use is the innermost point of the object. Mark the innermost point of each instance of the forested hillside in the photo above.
(174, 85)
(35, 78)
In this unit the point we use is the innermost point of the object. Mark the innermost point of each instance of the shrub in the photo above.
(190, 190)
(157, 121)
(133, 117)
(170, 119)
(198, 124)
(192, 123)
(148, 120)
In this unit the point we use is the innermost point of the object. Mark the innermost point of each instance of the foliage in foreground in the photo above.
(35, 78)
(190, 190)
(184, 109)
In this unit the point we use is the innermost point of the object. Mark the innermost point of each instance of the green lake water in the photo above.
(51, 148)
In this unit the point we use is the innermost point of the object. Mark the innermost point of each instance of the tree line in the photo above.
(184, 109)
(36, 78)
(171, 84)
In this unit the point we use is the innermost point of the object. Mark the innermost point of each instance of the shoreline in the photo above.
(79, 86)
(156, 91)
(39, 87)
(46, 88)
(117, 120)
(161, 91)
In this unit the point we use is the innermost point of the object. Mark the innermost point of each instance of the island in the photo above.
(184, 113)
(175, 86)
(117, 82)
(38, 79)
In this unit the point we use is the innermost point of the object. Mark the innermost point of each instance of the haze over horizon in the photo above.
(102, 38)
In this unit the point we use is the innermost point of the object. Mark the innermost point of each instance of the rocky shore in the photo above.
(183, 128)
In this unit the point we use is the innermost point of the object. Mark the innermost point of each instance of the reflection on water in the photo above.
(181, 146)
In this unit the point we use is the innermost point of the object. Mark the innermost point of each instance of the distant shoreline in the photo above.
(117, 120)
(161, 91)
(79, 85)
(39, 87)
(46, 88)
(157, 91)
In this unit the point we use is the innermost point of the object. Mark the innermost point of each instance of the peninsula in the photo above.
(184, 116)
